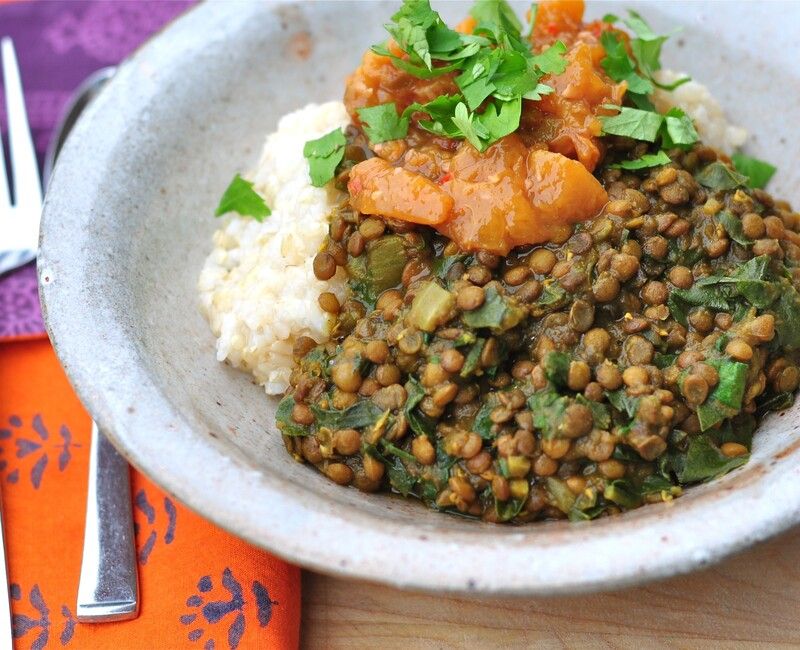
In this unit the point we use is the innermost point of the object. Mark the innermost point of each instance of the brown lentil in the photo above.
(423, 450)
(470, 297)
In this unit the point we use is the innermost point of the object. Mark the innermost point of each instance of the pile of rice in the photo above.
(698, 102)
(257, 288)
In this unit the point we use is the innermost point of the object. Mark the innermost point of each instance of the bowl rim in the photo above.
(289, 524)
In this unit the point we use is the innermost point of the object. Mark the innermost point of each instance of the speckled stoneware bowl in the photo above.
(128, 223)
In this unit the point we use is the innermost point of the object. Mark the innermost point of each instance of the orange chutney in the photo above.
(527, 188)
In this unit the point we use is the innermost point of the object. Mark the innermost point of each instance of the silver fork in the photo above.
(19, 234)
(19, 222)
(108, 588)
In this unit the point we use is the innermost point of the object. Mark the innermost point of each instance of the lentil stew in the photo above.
(559, 322)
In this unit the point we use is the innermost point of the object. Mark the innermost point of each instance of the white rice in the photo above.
(693, 97)
(258, 289)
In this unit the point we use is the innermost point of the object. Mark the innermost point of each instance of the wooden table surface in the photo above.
(752, 599)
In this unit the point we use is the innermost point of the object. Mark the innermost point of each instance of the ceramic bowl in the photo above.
(128, 223)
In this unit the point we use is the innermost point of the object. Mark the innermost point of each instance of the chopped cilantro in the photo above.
(647, 160)
(381, 123)
(420, 32)
(496, 70)
(675, 128)
(496, 12)
(633, 123)
(440, 111)
(324, 155)
(242, 198)
(758, 172)
(473, 131)
(551, 60)
(620, 66)
(679, 129)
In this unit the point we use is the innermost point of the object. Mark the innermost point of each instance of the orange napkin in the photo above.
(199, 586)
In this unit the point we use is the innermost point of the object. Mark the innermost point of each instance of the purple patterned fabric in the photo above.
(59, 43)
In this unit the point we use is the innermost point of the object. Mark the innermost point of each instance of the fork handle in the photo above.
(109, 586)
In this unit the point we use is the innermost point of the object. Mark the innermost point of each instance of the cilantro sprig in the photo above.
(382, 122)
(496, 71)
(324, 155)
(240, 197)
(640, 120)
(421, 33)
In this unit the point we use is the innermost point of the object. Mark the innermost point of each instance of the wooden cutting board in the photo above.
(752, 599)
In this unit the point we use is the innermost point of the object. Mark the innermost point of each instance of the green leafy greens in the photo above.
(718, 176)
(754, 284)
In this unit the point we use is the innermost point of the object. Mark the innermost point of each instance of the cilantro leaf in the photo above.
(420, 32)
(552, 60)
(758, 172)
(409, 29)
(440, 111)
(381, 123)
(640, 26)
(620, 66)
(242, 198)
(499, 124)
(633, 123)
(324, 155)
(473, 131)
(496, 12)
(646, 47)
(416, 69)
(647, 160)
(679, 129)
